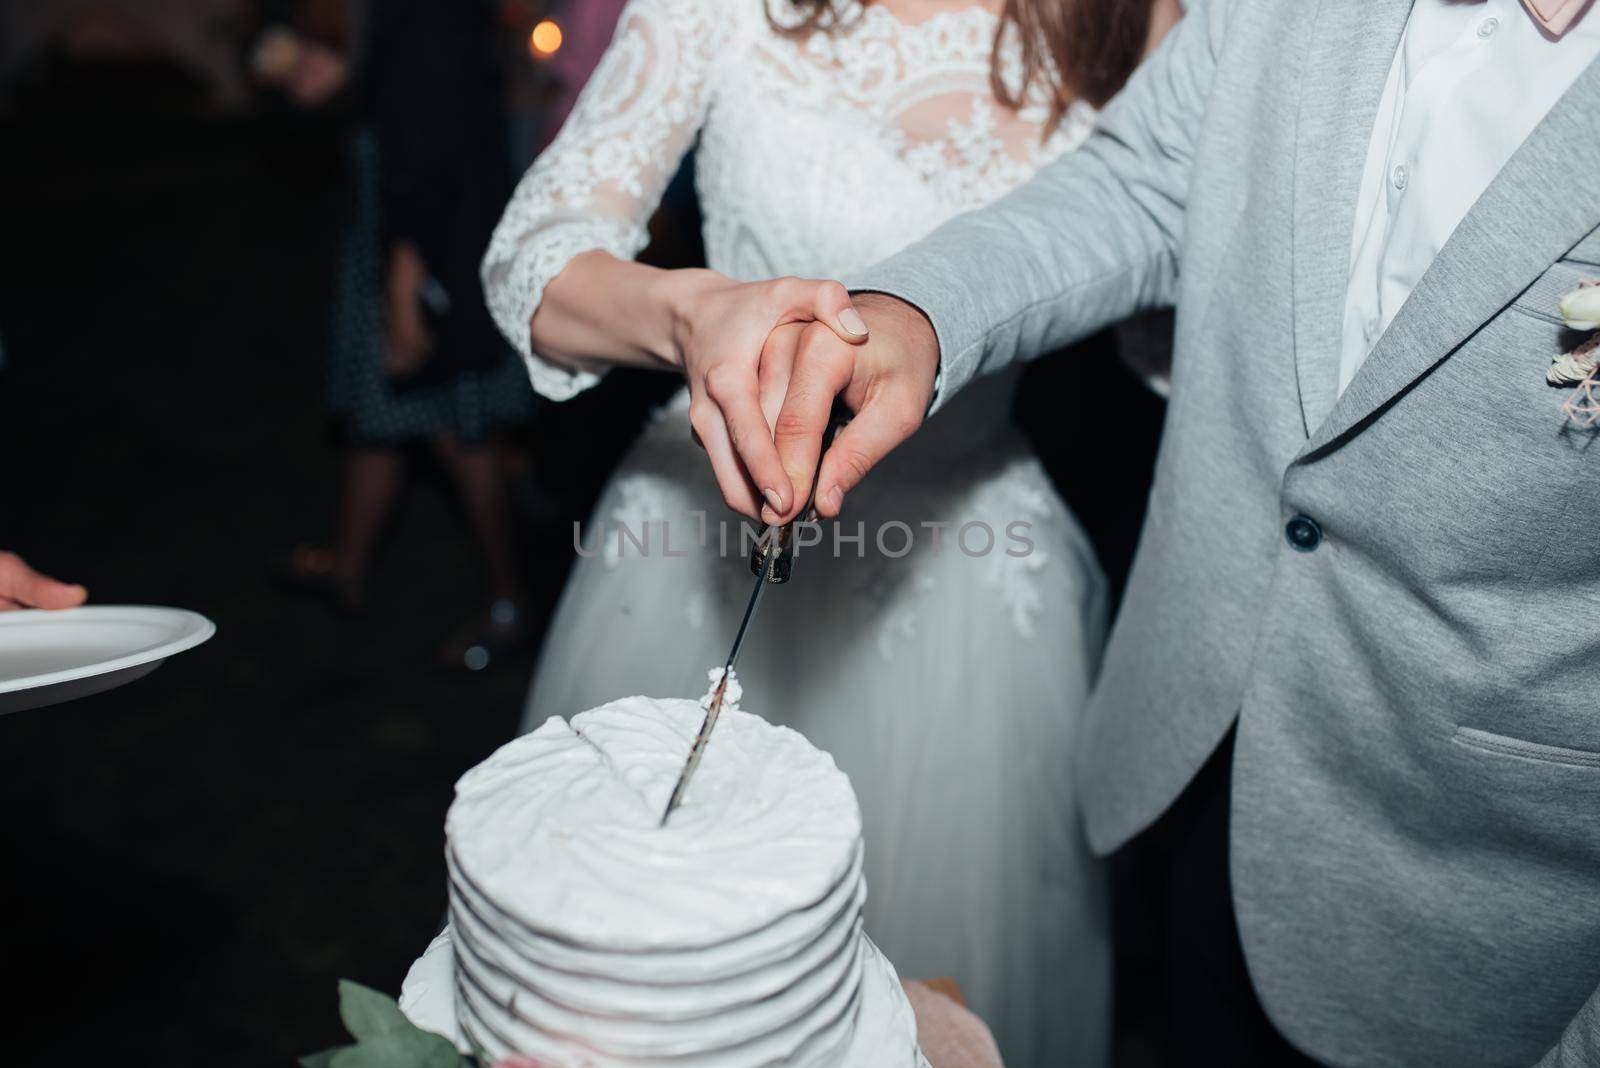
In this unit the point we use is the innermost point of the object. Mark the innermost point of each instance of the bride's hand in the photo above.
(887, 382)
(720, 329)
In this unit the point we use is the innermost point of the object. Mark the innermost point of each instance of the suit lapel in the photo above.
(1541, 204)
(1353, 45)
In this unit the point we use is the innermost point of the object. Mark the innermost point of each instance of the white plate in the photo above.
(46, 657)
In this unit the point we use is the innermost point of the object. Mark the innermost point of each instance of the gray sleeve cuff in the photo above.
(939, 298)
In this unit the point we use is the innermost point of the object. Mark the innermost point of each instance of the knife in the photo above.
(772, 564)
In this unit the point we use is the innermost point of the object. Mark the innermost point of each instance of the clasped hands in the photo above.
(764, 362)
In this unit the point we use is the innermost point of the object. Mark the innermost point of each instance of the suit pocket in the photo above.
(1587, 251)
(1502, 745)
(1542, 299)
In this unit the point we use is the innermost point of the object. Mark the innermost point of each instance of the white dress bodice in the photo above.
(821, 156)
(819, 153)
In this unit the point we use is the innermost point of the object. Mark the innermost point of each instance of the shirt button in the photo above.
(1487, 27)
(1303, 533)
(1370, 329)
(1401, 175)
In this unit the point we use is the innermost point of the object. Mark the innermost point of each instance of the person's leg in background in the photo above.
(479, 476)
(371, 479)
(373, 475)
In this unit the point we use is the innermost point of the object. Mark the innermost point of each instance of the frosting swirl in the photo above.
(560, 829)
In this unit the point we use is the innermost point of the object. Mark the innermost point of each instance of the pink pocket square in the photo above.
(1556, 16)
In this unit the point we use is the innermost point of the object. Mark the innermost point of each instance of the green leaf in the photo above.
(320, 1060)
(416, 1049)
(440, 1052)
(369, 1014)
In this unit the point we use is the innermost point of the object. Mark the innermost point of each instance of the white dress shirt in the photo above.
(1469, 83)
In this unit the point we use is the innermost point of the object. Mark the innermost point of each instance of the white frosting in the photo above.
(745, 959)
(561, 828)
(885, 1026)
(729, 699)
(586, 934)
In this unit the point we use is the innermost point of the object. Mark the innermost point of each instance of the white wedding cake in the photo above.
(582, 933)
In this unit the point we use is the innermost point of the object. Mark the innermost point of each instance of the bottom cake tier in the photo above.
(884, 1033)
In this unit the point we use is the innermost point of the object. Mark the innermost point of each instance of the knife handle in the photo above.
(773, 553)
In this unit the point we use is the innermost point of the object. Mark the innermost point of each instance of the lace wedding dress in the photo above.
(943, 666)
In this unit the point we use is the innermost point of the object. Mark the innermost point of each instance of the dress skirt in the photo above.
(947, 681)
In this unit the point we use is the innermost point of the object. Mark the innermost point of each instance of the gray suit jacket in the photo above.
(1416, 812)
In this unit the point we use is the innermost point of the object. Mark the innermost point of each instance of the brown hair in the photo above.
(1082, 49)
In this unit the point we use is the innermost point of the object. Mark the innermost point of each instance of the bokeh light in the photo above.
(545, 40)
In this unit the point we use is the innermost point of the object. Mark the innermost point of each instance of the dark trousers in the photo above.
(1213, 1016)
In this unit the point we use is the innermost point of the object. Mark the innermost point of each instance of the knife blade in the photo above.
(714, 709)
(772, 562)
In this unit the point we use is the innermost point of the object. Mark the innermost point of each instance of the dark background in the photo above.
(188, 864)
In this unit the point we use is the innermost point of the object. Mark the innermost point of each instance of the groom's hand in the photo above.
(887, 381)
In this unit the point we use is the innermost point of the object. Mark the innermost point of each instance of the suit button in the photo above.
(1303, 533)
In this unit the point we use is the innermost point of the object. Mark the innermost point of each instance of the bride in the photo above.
(943, 646)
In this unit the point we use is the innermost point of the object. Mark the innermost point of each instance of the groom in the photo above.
(1370, 576)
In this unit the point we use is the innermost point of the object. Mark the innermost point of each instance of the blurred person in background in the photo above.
(181, 54)
(415, 358)
(828, 137)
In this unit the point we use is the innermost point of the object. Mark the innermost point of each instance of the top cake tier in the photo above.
(560, 828)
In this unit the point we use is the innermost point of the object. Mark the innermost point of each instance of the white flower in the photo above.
(1569, 369)
(1581, 307)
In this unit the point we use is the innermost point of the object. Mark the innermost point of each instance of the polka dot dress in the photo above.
(469, 406)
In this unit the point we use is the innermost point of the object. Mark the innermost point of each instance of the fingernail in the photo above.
(851, 320)
(768, 516)
(832, 498)
(774, 500)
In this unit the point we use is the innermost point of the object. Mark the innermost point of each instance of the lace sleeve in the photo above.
(598, 183)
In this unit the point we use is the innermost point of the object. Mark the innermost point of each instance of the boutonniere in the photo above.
(1580, 368)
